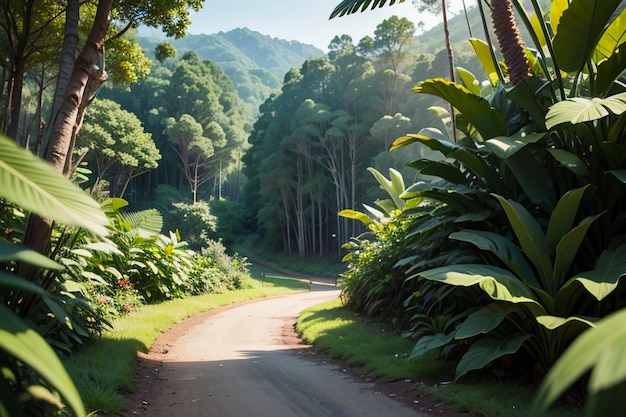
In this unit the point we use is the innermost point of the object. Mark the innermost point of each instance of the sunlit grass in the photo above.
(103, 371)
(345, 336)
(356, 341)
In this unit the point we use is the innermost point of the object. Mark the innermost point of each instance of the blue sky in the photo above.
(302, 20)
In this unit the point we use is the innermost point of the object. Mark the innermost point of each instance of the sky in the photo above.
(305, 21)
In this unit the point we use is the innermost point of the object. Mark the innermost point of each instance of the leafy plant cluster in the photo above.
(104, 262)
(528, 197)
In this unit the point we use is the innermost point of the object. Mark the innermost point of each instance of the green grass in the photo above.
(357, 341)
(103, 371)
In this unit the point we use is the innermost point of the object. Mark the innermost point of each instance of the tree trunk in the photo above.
(87, 76)
(18, 65)
(68, 53)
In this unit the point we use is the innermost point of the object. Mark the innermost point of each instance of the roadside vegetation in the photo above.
(510, 246)
(376, 350)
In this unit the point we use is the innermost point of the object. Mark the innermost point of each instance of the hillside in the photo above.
(256, 63)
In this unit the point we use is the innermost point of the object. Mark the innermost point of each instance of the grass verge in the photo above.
(358, 342)
(104, 370)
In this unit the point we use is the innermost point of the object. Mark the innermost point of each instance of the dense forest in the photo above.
(214, 123)
(306, 148)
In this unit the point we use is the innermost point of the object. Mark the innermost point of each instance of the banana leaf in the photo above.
(579, 30)
(496, 282)
(27, 346)
(601, 350)
(486, 350)
(486, 119)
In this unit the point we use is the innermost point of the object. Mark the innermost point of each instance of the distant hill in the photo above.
(256, 63)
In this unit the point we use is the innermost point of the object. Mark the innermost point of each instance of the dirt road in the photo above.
(240, 363)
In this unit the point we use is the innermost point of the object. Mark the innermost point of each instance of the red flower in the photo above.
(102, 301)
(127, 308)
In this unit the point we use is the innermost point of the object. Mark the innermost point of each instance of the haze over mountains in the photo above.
(256, 63)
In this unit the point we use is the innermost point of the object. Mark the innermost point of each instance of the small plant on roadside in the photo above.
(215, 271)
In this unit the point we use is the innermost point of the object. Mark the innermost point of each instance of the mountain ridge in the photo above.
(256, 63)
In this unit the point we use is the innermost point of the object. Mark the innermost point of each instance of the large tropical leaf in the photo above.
(570, 161)
(532, 240)
(394, 186)
(443, 170)
(469, 80)
(603, 279)
(27, 346)
(34, 185)
(146, 223)
(564, 214)
(600, 349)
(486, 119)
(556, 11)
(612, 38)
(486, 350)
(503, 248)
(356, 215)
(527, 95)
(534, 179)
(506, 146)
(481, 48)
(580, 28)
(353, 6)
(482, 321)
(581, 109)
(436, 141)
(567, 248)
(497, 283)
(430, 342)
(13, 252)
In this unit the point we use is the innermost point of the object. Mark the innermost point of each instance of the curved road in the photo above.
(236, 364)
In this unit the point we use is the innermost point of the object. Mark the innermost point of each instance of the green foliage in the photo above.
(119, 143)
(196, 223)
(33, 185)
(32, 373)
(163, 51)
(353, 6)
(599, 350)
(215, 271)
(549, 267)
(232, 221)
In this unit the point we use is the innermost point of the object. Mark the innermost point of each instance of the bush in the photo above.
(215, 271)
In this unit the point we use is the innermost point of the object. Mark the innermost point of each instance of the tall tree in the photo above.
(193, 149)
(26, 27)
(89, 73)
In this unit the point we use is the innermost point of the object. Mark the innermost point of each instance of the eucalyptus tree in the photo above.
(194, 150)
(28, 29)
(202, 90)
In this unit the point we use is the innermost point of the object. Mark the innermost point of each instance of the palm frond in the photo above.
(353, 6)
